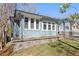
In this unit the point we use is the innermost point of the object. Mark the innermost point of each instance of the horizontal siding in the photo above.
(37, 33)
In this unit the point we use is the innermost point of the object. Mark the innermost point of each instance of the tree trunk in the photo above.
(70, 34)
(64, 30)
(58, 31)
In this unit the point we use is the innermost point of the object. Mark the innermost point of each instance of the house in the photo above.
(67, 29)
(34, 25)
(30, 25)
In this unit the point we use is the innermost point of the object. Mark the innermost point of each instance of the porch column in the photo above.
(47, 26)
(55, 27)
(34, 24)
(41, 25)
(22, 27)
(29, 23)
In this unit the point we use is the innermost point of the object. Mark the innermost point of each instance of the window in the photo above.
(37, 24)
(32, 23)
(44, 26)
(26, 23)
(53, 26)
(49, 26)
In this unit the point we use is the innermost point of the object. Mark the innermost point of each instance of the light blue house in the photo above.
(34, 25)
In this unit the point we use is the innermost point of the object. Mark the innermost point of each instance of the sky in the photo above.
(50, 9)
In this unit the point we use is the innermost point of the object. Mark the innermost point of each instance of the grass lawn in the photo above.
(50, 49)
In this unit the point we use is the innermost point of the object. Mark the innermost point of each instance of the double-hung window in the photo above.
(53, 26)
(49, 26)
(26, 23)
(44, 26)
(37, 24)
(32, 23)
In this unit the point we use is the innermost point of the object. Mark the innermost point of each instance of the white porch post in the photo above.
(29, 23)
(51, 26)
(22, 27)
(39, 24)
(42, 25)
(34, 24)
(47, 26)
(55, 27)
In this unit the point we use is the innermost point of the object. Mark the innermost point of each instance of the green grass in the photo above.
(50, 49)
(72, 42)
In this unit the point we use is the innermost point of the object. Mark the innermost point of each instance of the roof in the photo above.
(43, 16)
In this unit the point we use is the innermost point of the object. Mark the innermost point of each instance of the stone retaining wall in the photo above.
(27, 43)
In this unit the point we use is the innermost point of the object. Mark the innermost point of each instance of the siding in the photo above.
(37, 33)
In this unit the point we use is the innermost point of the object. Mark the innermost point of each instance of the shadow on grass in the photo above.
(71, 50)
(69, 45)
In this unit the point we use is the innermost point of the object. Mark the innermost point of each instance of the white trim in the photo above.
(55, 27)
(47, 26)
(51, 26)
(34, 24)
(43, 26)
(25, 24)
(29, 23)
(39, 25)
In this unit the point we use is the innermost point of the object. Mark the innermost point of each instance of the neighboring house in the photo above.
(34, 25)
(75, 29)
(66, 28)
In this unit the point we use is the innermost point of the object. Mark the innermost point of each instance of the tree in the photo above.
(29, 7)
(58, 23)
(63, 10)
(73, 17)
(6, 10)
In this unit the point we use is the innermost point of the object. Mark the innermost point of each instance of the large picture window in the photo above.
(26, 23)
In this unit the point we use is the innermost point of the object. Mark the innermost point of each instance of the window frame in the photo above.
(53, 25)
(49, 23)
(38, 24)
(47, 26)
(34, 24)
(31, 24)
(27, 23)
